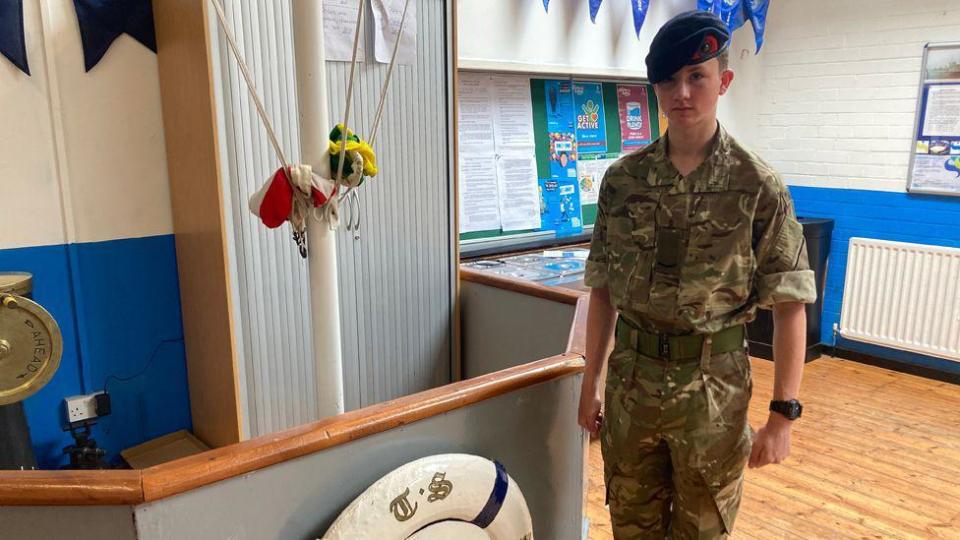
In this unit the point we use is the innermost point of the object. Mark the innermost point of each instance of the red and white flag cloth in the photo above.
(289, 195)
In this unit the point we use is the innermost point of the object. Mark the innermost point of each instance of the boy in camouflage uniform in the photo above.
(693, 234)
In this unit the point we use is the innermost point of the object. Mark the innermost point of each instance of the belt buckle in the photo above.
(664, 346)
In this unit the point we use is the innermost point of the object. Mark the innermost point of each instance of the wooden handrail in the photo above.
(68, 488)
(529, 288)
(577, 342)
(131, 487)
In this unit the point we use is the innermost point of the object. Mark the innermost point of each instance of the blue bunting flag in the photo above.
(594, 8)
(639, 14)
(102, 21)
(12, 44)
(731, 12)
(756, 12)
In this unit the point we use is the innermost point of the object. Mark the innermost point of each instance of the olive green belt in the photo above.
(684, 347)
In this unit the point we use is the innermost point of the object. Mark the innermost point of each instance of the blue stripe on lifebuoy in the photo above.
(499, 493)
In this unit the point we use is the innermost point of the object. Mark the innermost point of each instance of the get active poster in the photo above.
(591, 124)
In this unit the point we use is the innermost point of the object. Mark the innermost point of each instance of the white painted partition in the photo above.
(74, 522)
(295, 483)
(498, 329)
(533, 432)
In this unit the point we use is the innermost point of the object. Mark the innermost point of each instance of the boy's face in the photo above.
(690, 96)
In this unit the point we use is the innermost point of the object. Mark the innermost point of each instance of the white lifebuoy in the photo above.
(443, 496)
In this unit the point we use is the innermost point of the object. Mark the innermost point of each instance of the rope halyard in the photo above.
(294, 192)
(386, 85)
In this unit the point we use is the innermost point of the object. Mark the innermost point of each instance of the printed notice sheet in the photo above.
(519, 194)
(339, 24)
(942, 116)
(479, 192)
(514, 111)
(497, 159)
(387, 15)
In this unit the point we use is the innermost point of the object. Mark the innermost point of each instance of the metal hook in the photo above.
(348, 214)
(301, 239)
(356, 226)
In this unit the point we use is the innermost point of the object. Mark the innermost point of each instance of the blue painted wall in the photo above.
(902, 217)
(118, 306)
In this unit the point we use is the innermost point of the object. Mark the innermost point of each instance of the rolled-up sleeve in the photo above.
(595, 274)
(783, 269)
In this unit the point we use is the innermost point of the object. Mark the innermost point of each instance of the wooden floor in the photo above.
(876, 455)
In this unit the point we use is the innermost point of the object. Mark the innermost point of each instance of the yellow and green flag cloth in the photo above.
(361, 160)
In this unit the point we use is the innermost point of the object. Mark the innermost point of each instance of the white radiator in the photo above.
(905, 296)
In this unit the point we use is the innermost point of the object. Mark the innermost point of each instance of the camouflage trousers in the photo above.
(675, 440)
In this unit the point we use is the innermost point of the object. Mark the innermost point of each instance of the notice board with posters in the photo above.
(579, 127)
(935, 156)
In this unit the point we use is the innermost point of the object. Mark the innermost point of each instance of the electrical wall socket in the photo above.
(81, 407)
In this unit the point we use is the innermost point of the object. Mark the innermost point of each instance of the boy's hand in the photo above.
(772, 444)
(589, 415)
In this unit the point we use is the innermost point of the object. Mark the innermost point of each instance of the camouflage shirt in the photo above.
(700, 253)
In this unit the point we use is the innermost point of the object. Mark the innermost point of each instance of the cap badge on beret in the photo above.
(708, 47)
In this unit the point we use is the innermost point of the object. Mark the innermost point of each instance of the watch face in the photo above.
(791, 409)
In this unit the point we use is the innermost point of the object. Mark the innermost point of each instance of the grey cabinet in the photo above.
(396, 276)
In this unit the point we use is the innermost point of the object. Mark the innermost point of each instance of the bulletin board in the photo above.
(935, 156)
(580, 126)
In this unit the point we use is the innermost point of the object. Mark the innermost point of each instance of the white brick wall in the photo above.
(830, 100)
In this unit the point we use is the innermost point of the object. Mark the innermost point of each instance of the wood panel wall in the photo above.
(196, 194)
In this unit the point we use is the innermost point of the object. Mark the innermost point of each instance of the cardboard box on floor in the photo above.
(163, 449)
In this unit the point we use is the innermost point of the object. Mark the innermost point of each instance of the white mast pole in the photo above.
(314, 130)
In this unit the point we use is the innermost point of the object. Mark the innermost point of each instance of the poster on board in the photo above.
(591, 123)
(560, 206)
(590, 175)
(634, 112)
(935, 159)
(561, 129)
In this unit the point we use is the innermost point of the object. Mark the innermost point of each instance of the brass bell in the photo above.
(30, 341)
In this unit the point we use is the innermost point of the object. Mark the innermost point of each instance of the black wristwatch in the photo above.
(790, 409)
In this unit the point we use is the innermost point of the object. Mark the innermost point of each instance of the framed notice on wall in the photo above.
(935, 156)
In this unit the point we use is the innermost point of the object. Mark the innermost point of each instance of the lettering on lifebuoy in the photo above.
(401, 508)
(439, 488)
(420, 494)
